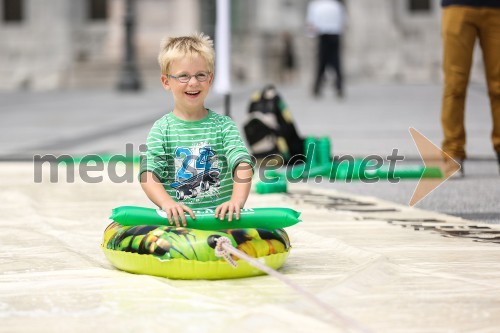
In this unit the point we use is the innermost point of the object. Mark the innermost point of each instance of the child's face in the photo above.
(188, 96)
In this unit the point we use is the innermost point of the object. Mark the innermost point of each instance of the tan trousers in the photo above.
(461, 26)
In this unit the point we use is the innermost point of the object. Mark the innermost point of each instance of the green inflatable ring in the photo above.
(184, 253)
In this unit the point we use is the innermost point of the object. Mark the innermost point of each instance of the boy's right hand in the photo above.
(175, 213)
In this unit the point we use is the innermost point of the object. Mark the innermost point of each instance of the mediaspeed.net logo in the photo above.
(271, 169)
(119, 168)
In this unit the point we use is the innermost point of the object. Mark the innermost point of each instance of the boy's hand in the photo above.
(230, 207)
(175, 213)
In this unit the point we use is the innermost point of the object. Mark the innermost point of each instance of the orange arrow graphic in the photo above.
(432, 156)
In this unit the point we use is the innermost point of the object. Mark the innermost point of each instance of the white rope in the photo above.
(225, 249)
(221, 252)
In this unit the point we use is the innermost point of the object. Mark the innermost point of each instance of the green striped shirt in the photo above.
(195, 160)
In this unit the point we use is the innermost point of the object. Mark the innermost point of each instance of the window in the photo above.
(12, 10)
(97, 10)
(419, 6)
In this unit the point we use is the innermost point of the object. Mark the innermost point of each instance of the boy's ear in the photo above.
(211, 80)
(165, 82)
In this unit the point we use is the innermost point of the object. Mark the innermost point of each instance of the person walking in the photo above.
(464, 21)
(326, 20)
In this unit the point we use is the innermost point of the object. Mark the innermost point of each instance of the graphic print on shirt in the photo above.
(197, 172)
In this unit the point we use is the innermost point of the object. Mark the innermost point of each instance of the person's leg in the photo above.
(336, 64)
(321, 64)
(459, 34)
(489, 37)
(329, 54)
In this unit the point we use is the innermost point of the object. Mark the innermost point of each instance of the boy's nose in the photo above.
(193, 77)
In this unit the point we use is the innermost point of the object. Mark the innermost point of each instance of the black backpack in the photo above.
(269, 128)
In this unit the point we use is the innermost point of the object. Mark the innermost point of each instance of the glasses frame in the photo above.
(178, 78)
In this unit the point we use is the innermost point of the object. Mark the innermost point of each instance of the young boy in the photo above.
(193, 153)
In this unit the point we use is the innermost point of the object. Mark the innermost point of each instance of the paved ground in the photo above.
(373, 119)
(386, 267)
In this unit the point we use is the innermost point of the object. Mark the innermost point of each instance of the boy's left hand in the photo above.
(230, 207)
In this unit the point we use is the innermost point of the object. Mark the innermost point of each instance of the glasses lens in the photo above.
(184, 78)
(201, 76)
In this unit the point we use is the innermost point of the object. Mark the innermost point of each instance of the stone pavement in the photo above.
(372, 119)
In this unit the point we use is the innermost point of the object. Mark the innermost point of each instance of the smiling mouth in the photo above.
(192, 93)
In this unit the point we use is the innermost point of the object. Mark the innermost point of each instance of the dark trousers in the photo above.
(328, 56)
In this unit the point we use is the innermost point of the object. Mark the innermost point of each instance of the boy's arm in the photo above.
(156, 193)
(241, 189)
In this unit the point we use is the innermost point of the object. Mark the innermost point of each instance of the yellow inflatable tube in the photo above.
(183, 253)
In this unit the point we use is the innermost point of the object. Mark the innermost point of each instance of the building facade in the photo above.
(61, 44)
(58, 44)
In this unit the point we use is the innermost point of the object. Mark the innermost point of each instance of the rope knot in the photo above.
(221, 251)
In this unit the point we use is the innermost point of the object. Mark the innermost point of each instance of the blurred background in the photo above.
(60, 44)
(62, 64)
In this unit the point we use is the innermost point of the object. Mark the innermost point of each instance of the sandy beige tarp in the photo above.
(386, 278)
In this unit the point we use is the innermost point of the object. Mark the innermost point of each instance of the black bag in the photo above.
(269, 128)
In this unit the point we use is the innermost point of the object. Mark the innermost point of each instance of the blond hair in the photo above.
(173, 48)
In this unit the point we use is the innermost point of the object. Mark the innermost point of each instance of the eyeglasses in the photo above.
(185, 78)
